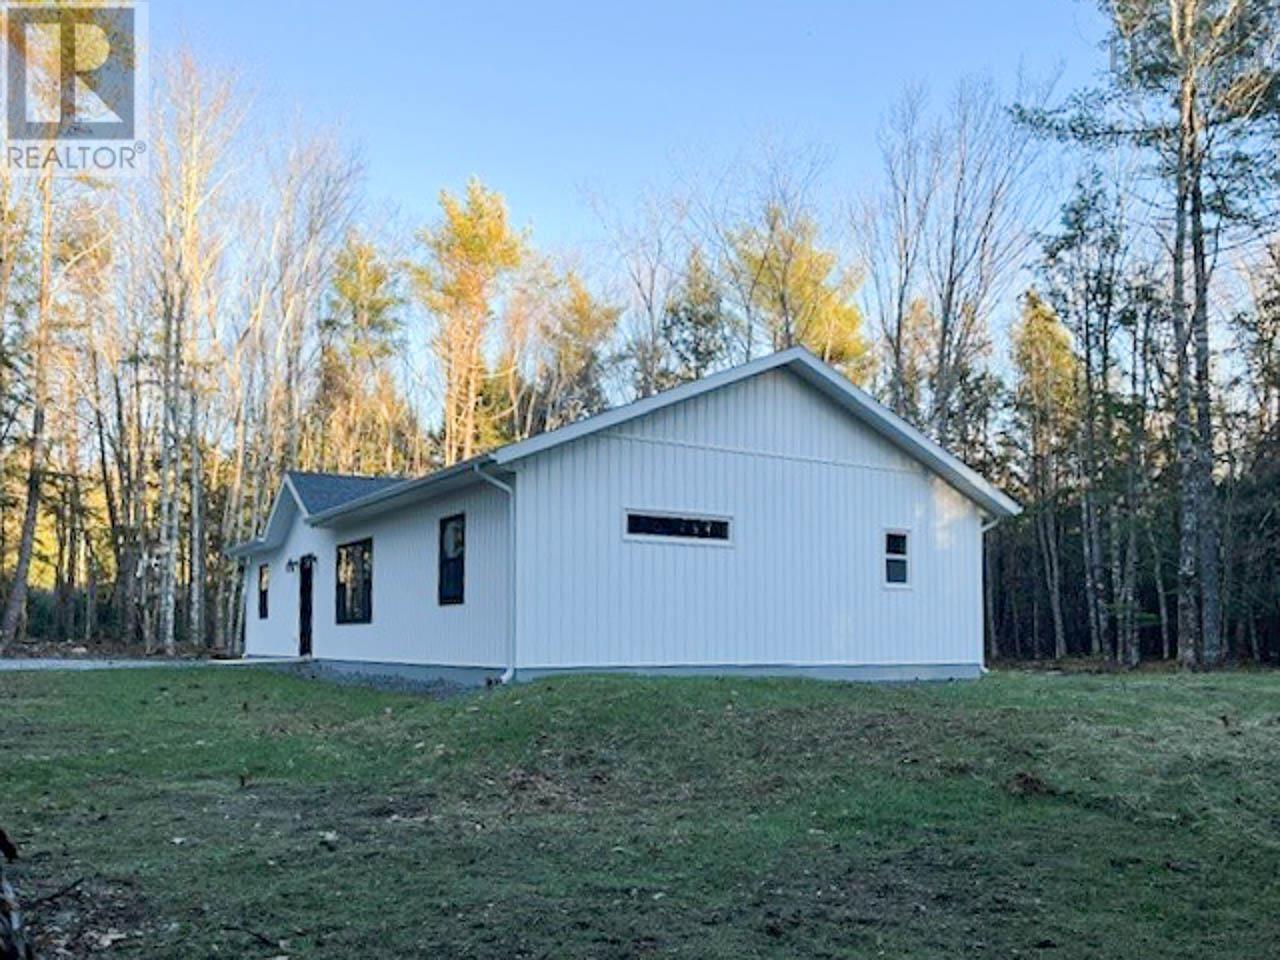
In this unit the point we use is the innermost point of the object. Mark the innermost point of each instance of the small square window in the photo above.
(897, 571)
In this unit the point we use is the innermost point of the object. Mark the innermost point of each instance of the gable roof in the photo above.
(318, 492)
(310, 494)
(798, 360)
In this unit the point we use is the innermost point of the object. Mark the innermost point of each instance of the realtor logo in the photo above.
(75, 87)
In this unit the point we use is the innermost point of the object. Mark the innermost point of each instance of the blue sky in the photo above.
(548, 101)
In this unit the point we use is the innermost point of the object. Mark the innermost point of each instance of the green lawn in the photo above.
(228, 812)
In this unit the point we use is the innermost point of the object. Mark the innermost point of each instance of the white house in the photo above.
(769, 519)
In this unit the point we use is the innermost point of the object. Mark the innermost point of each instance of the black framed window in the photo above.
(355, 582)
(264, 583)
(897, 571)
(677, 528)
(453, 559)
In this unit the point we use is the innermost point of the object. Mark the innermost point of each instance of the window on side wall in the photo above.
(453, 560)
(676, 528)
(897, 561)
(355, 582)
(264, 582)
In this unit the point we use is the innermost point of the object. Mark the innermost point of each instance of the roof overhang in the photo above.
(993, 502)
(448, 480)
(276, 529)
(830, 383)
(247, 549)
(899, 432)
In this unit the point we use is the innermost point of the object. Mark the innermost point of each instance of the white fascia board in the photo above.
(907, 438)
(819, 375)
(271, 537)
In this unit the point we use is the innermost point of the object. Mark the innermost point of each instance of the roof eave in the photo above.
(905, 436)
(640, 408)
(297, 497)
(400, 494)
(266, 541)
(247, 549)
(818, 374)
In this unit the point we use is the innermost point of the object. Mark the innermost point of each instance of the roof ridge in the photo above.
(345, 476)
(855, 401)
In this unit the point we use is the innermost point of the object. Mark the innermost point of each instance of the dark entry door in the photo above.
(306, 581)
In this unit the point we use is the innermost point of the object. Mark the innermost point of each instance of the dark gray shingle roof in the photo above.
(324, 491)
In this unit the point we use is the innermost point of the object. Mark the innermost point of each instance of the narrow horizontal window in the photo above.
(897, 570)
(676, 527)
(355, 582)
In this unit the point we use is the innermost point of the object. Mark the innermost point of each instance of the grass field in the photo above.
(219, 813)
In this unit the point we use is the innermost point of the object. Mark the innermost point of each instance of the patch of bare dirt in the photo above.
(1030, 785)
(536, 788)
(85, 917)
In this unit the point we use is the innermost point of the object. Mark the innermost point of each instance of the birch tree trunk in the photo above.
(167, 547)
(988, 598)
(1092, 568)
(1209, 534)
(16, 604)
(1046, 526)
(195, 598)
(1189, 623)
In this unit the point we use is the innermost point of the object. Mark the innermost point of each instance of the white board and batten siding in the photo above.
(277, 634)
(408, 624)
(810, 475)
(810, 495)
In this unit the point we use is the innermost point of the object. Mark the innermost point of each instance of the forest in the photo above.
(1076, 291)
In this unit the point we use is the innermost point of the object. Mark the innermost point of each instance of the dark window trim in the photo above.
(264, 574)
(339, 613)
(716, 529)
(451, 599)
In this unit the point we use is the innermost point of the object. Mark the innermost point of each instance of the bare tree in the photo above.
(977, 233)
(15, 606)
(890, 229)
(315, 193)
(197, 126)
(650, 249)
